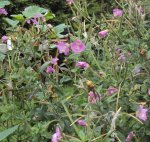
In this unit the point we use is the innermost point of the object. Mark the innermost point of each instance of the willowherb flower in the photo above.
(50, 69)
(56, 137)
(103, 34)
(93, 98)
(36, 18)
(3, 11)
(54, 60)
(148, 91)
(81, 122)
(69, 1)
(130, 136)
(82, 65)
(142, 113)
(111, 90)
(4, 39)
(77, 46)
(122, 57)
(117, 12)
(63, 47)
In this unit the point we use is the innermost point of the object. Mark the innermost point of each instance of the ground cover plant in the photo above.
(86, 79)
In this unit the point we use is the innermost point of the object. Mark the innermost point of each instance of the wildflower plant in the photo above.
(91, 84)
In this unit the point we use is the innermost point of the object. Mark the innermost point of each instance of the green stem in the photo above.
(70, 118)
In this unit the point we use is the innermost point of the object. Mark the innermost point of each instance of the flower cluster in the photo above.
(77, 47)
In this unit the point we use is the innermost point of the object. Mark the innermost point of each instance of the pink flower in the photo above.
(50, 69)
(82, 65)
(148, 91)
(3, 11)
(54, 60)
(81, 122)
(122, 57)
(35, 20)
(69, 1)
(103, 33)
(93, 98)
(117, 12)
(57, 135)
(4, 39)
(111, 90)
(63, 48)
(77, 46)
(142, 113)
(130, 136)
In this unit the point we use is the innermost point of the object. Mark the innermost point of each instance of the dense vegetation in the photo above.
(74, 71)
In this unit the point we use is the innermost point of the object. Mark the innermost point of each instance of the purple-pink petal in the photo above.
(54, 60)
(111, 90)
(103, 34)
(50, 69)
(54, 138)
(93, 98)
(81, 122)
(117, 12)
(3, 11)
(36, 18)
(63, 47)
(77, 46)
(82, 65)
(130, 136)
(142, 113)
(122, 57)
(4, 39)
(57, 135)
(148, 91)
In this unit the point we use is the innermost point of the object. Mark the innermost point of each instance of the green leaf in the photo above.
(4, 134)
(31, 11)
(82, 135)
(65, 79)
(43, 67)
(2, 56)
(148, 55)
(18, 17)
(49, 15)
(4, 3)
(12, 23)
(60, 28)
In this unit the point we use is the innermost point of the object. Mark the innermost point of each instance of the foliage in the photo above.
(106, 84)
